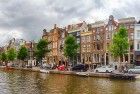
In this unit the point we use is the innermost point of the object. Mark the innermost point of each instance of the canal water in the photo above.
(24, 82)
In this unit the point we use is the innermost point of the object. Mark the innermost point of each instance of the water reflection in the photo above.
(24, 82)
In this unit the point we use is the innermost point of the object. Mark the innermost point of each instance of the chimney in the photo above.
(55, 26)
(44, 31)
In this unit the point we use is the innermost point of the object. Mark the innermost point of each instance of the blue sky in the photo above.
(27, 18)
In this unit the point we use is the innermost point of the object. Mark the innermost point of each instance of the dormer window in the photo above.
(111, 17)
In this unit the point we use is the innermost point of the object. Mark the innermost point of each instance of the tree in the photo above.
(120, 45)
(70, 47)
(42, 49)
(4, 57)
(11, 54)
(22, 53)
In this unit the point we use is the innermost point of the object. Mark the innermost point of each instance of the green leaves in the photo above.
(42, 49)
(70, 48)
(11, 54)
(4, 57)
(120, 44)
(23, 53)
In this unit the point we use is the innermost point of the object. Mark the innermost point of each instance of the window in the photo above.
(78, 40)
(132, 26)
(49, 39)
(131, 47)
(55, 45)
(83, 39)
(98, 37)
(138, 33)
(101, 29)
(108, 35)
(78, 33)
(127, 26)
(98, 30)
(98, 47)
(110, 28)
(107, 45)
(63, 42)
(88, 48)
(63, 35)
(88, 38)
(94, 37)
(138, 46)
(131, 36)
(84, 47)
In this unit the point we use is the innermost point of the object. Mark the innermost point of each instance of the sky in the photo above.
(26, 19)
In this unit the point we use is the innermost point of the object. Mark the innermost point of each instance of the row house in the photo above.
(15, 43)
(94, 40)
(98, 42)
(137, 44)
(75, 30)
(30, 46)
(109, 30)
(62, 35)
(104, 38)
(56, 38)
(129, 23)
(86, 46)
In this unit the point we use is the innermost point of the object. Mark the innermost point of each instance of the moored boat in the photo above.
(44, 71)
(124, 76)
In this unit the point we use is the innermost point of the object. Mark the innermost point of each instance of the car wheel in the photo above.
(107, 71)
(97, 71)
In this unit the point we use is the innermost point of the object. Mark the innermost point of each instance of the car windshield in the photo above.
(137, 67)
(106, 66)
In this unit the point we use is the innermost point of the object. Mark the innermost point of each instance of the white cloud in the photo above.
(27, 18)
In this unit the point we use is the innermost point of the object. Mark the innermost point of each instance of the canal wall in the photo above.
(84, 74)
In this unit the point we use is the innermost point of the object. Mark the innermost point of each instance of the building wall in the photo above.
(94, 42)
(137, 37)
(129, 24)
(86, 47)
(137, 44)
(75, 30)
(98, 36)
(56, 38)
(110, 28)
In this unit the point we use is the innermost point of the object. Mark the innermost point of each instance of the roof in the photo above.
(78, 25)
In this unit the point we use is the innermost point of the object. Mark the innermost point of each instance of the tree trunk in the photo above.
(73, 61)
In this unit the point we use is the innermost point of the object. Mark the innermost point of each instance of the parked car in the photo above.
(46, 66)
(80, 67)
(136, 69)
(61, 67)
(104, 69)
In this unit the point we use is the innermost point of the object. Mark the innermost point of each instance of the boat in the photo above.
(125, 76)
(44, 71)
(82, 74)
(8, 68)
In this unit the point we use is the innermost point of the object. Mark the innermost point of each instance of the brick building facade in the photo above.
(56, 38)
(94, 40)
